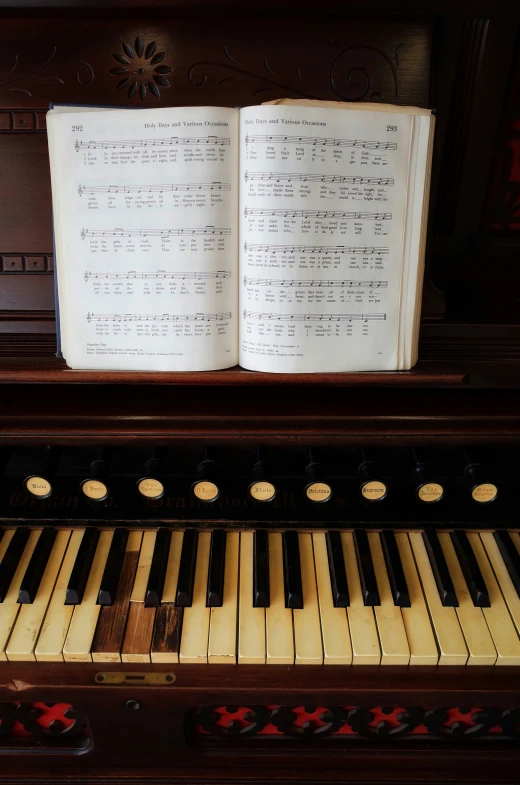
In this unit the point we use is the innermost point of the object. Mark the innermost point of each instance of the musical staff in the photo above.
(314, 284)
(316, 249)
(317, 178)
(138, 189)
(171, 141)
(320, 141)
(318, 214)
(158, 275)
(314, 317)
(205, 231)
(158, 317)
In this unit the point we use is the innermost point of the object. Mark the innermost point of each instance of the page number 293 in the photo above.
(391, 128)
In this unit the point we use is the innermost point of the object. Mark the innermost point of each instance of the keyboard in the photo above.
(352, 597)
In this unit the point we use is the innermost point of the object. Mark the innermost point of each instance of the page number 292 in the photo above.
(391, 128)
(77, 128)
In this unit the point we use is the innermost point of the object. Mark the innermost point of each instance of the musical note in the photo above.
(208, 230)
(160, 274)
(316, 249)
(157, 317)
(320, 141)
(314, 317)
(172, 141)
(318, 214)
(314, 284)
(137, 189)
(317, 178)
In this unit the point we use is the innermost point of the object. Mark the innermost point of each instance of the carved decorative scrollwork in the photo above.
(26, 80)
(141, 69)
(387, 723)
(351, 75)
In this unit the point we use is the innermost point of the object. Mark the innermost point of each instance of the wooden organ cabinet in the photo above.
(147, 634)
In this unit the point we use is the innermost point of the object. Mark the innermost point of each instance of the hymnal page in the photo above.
(145, 211)
(322, 220)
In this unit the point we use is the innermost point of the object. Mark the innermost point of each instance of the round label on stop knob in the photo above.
(374, 490)
(95, 490)
(262, 491)
(430, 492)
(485, 492)
(318, 492)
(39, 487)
(206, 491)
(150, 488)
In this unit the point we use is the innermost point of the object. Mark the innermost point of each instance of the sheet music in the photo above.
(147, 239)
(322, 216)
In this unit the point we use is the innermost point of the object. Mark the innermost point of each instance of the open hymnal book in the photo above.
(287, 237)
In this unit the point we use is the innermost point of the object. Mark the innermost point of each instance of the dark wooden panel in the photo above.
(25, 217)
(504, 203)
(139, 735)
(26, 293)
(90, 414)
(231, 61)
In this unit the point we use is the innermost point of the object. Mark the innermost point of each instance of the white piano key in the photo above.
(502, 575)
(417, 624)
(172, 570)
(251, 621)
(4, 542)
(390, 625)
(139, 625)
(9, 608)
(307, 630)
(501, 627)
(278, 618)
(78, 643)
(143, 566)
(30, 618)
(362, 624)
(49, 647)
(448, 633)
(169, 618)
(195, 625)
(223, 620)
(337, 648)
(471, 619)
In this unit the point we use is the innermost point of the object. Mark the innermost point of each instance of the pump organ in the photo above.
(235, 576)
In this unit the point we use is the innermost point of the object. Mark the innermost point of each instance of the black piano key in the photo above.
(217, 563)
(187, 566)
(367, 575)
(1, 533)
(82, 566)
(292, 575)
(12, 556)
(338, 575)
(394, 569)
(157, 576)
(469, 565)
(440, 570)
(113, 567)
(36, 567)
(261, 592)
(510, 556)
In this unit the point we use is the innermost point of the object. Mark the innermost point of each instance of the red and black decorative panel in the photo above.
(504, 215)
(236, 724)
(43, 726)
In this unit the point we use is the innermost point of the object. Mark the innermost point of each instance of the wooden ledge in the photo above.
(50, 370)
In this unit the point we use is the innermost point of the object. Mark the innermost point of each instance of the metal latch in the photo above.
(135, 678)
